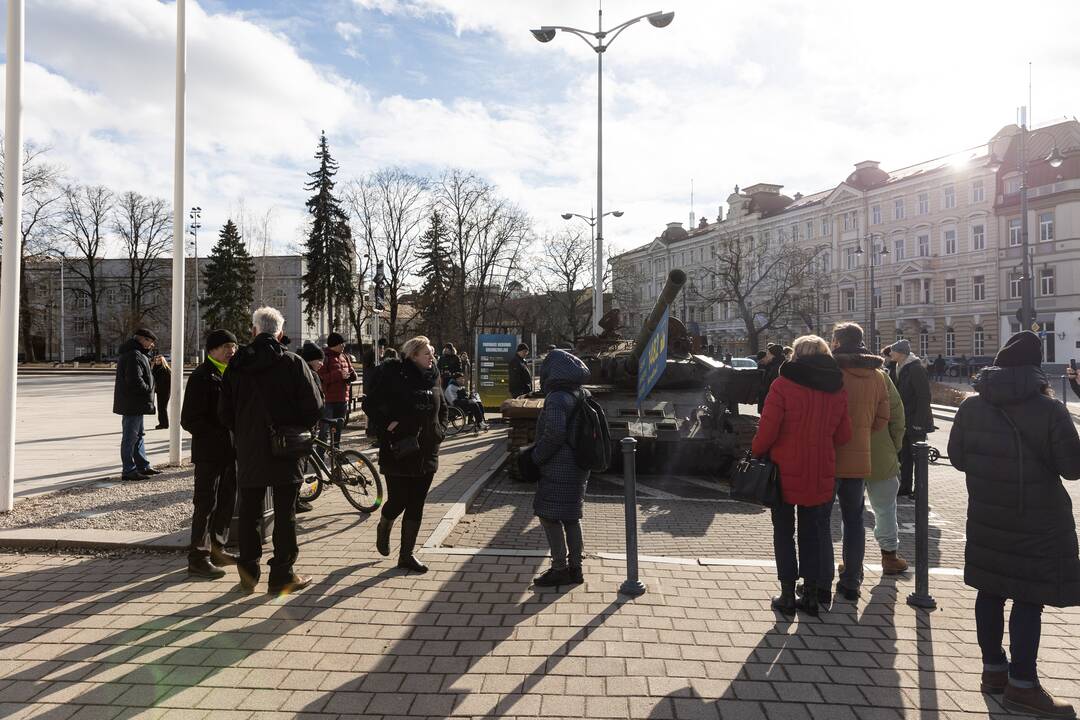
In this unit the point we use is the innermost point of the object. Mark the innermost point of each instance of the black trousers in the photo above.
(407, 495)
(907, 464)
(214, 500)
(285, 548)
(1025, 630)
(788, 566)
(163, 409)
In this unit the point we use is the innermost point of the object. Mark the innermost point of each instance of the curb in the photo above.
(450, 520)
(91, 539)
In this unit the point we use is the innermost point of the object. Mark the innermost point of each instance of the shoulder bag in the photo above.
(756, 481)
(286, 441)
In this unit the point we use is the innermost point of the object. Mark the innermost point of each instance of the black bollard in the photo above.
(632, 586)
(921, 598)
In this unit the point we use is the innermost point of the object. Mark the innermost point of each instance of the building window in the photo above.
(926, 292)
(899, 335)
(1046, 226)
(877, 302)
(978, 341)
(924, 245)
(1012, 185)
(794, 232)
(875, 215)
(950, 342)
(950, 291)
(978, 195)
(899, 247)
(824, 227)
(924, 203)
(978, 237)
(898, 209)
(898, 294)
(277, 299)
(924, 343)
(852, 260)
(1046, 281)
(849, 300)
(849, 220)
(950, 242)
(1014, 285)
(948, 198)
(809, 229)
(1014, 232)
(826, 303)
(978, 287)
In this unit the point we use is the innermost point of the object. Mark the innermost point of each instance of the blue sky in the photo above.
(778, 91)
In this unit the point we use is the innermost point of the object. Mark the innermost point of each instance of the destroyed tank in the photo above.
(689, 423)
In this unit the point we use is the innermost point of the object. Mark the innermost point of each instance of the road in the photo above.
(66, 433)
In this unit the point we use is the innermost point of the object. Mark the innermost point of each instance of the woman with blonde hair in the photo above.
(804, 419)
(408, 411)
(159, 368)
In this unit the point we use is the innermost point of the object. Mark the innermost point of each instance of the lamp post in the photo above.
(63, 260)
(546, 34)
(598, 288)
(195, 214)
(1027, 296)
(875, 252)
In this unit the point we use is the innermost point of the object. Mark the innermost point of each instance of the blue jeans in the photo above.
(850, 493)
(132, 449)
(1025, 629)
(787, 563)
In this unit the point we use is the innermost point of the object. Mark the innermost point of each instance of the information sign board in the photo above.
(493, 353)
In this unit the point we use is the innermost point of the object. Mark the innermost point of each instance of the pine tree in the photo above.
(230, 284)
(328, 250)
(438, 273)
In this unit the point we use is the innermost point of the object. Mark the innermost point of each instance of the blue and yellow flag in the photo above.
(653, 361)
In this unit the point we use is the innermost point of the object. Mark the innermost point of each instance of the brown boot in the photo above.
(994, 681)
(1036, 701)
(892, 563)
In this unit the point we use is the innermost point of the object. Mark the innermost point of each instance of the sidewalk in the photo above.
(127, 635)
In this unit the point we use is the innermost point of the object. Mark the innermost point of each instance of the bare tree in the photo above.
(144, 226)
(564, 266)
(85, 217)
(361, 197)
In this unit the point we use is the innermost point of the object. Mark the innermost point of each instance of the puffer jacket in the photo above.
(560, 491)
(886, 442)
(335, 376)
(868, 408)
(1015, 444)
(805, 417)
(401, 392)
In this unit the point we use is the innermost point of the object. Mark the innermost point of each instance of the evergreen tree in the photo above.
(437, 269)
(328, 250)
(230, 284)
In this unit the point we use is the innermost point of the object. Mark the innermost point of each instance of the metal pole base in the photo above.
(923, 602)
(633, 588)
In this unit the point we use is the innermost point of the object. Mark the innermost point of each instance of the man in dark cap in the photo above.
(336, 375)
(133, 398)
(914, 386)
(215, 460)
(521, 381)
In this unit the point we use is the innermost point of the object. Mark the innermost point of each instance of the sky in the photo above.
(780, 91)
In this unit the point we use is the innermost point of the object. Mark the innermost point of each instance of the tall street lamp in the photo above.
(63, 261)
(546, 34)
(1027, 295)
(195, 214)
(591, 220)
(875, 253)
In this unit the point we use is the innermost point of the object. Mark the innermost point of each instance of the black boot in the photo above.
(409, 530)
(382, 535)
(808, 603)
(785, 601)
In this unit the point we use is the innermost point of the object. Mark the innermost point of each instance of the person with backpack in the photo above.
(560, 489)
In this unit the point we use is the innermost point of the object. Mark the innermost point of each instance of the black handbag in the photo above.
(405, 447)
(527, 467)
(756, 481)
(291, 441)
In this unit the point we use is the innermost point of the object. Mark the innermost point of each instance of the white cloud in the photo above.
(346, 30)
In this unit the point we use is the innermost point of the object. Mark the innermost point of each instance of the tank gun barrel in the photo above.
(675, 281)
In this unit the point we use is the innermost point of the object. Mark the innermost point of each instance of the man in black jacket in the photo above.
(521, 382)
(914, 387)
(215, 460)
(133, 397)
(268, 387)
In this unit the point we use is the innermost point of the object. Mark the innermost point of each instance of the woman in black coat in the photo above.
(162, 373)
(407, 410)
(1015, 442)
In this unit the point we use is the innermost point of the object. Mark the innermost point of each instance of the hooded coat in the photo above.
(914, 386)
(805, 417)
(868, 408)
(1015, 444)
(404, 393)
(265, 386)
(885, 443)
(560, 491)
(133, 391)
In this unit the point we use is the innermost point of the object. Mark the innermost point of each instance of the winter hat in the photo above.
(217, 338)
(902, 346)
(146, 333)
(1023, 348)
(522, 346)
(776, 350)
(334, 339)
(311, 351)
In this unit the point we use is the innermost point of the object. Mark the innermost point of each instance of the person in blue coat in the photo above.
(560, 491)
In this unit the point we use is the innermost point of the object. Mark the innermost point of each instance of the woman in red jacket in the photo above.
(804, 419)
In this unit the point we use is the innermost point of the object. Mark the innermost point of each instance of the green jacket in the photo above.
(886, 442)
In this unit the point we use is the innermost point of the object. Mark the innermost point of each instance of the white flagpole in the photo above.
(9, 282)
(177, 388)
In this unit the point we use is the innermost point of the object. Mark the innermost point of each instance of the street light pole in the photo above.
(176, 397)
(874, 253)
(598, 289)
(195, 214)
(546, 34)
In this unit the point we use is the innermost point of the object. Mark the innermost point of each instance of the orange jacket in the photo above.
(868, 408)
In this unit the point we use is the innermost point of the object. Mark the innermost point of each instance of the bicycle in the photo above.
(350, 470)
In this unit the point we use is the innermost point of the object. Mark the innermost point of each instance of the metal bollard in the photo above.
(632, 586)
(921, 598)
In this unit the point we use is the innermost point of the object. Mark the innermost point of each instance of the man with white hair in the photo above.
(268, 389)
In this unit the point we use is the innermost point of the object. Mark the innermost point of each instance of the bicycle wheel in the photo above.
(455, 421)
(311, 486)
(359, 481)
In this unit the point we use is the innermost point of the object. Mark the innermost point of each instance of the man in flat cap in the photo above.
(133, 398)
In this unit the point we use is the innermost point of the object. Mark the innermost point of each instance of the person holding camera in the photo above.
(409, 413)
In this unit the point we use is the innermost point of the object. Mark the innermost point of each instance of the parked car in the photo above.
(738, 362)
(975, 363)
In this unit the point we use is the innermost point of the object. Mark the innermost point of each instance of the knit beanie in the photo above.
(334, 339)
(217, 338)
(902, 346)
(1023, 348)
(310, 351)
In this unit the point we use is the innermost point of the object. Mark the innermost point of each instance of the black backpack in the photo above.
(588, 434)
